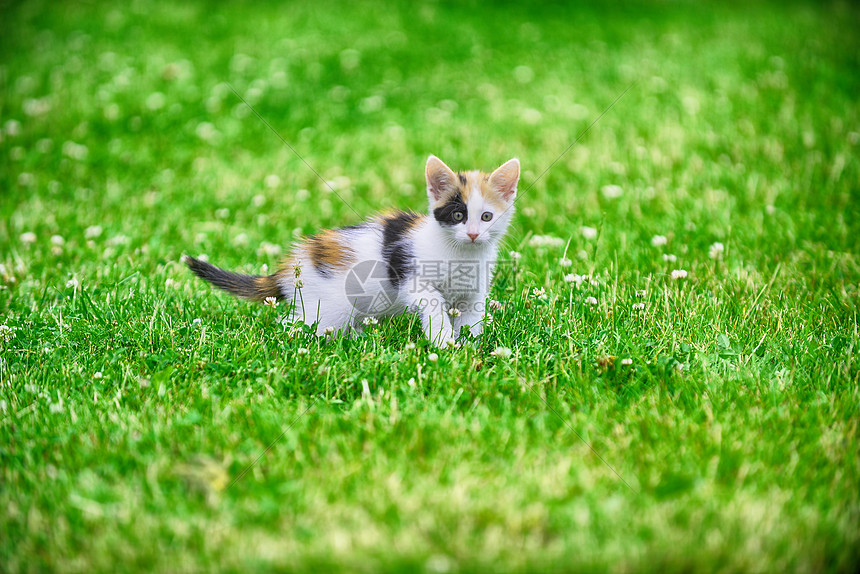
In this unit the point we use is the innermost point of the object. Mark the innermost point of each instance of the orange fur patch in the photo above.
(328, 251)
(266, 287)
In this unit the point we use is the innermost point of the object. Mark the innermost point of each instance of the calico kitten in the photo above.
(438, 265)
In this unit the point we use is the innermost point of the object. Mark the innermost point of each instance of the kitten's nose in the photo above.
(474, 236)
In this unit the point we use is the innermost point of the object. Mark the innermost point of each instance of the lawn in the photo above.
(671, 382)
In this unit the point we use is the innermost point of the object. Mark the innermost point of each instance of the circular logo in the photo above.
(369, 288)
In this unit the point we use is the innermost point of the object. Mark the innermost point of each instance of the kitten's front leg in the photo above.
(471, 316)
(434, 318)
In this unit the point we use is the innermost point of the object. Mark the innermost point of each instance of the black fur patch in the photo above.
(317, 251)
(462, 177)
(396, 247)
(445, 214)
(254, 287)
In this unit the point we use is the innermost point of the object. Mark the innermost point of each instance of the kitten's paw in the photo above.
(444, 341)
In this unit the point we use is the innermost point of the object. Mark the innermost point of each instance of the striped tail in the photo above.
(254, 287)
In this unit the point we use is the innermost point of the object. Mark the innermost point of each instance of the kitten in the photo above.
(438, 265)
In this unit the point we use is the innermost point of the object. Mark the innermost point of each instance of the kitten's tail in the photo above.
(254, 287)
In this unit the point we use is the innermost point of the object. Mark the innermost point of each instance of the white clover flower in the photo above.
(12, 128)
(73, 283)
(627, 361)
(155, 101)
(531, 116)
(270, 302)
(454, 312)
(196, 321)
(495, 305)
(669, 257)
(432, 357)
(98, 375)
(659, 240)
(28, 237)
(6, 333)
(502, 353)
(368, 321)
(207, 132)
(611, 191)
(565, 262)
(588, 232)
(75, 151)
(641, 292)
(222, 213)
(411, 382)
(270, 249)
(329, 331)
(111, 111)
(591, 300)
(272, 181)
(716, 250)
(679, 274)
(638, 306)
(573, 278)
(545, 241)
(124, 240)
(93, 231)
(410, 346)
(538, 292)
(302, 351)
(515, 255)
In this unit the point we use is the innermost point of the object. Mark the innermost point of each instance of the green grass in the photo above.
(149, 423)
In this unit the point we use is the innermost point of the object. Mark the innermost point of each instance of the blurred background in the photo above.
(125, 116)
(713, 201)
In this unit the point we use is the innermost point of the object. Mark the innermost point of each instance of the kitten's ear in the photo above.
(504, 179)
(439, 177)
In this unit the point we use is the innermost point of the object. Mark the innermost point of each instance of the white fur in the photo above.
(323, 299)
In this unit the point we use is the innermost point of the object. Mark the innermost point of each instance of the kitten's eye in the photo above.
(486, 216)
(458, 216)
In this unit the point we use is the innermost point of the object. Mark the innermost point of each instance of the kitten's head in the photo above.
(472, 208)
